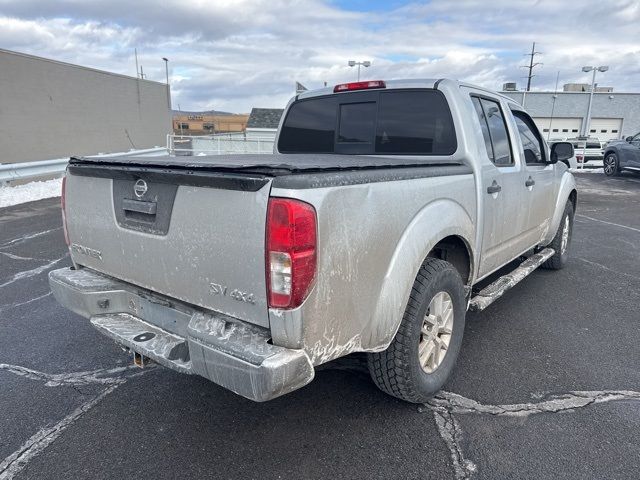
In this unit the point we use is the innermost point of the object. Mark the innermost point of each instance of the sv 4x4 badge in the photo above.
(238, 295)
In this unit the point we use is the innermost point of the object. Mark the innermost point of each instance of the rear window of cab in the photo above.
(392, 122)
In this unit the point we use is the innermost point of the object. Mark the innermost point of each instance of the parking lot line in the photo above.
(608, 223)
(19, 459)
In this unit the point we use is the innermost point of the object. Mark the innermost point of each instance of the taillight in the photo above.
(291, 251)
(63, 204)
(345, 87)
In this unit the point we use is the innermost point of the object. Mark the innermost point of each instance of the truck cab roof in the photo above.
(409, 83)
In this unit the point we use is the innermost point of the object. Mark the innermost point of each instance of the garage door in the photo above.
(558, 128)
(605, 128)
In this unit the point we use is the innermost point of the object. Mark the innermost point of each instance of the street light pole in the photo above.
(587, 122)
(166, 70)
(365, 64)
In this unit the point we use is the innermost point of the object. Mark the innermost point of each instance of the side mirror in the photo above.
(628, 139)
(561, 151)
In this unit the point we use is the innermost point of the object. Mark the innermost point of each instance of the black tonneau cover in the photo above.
(270, 164)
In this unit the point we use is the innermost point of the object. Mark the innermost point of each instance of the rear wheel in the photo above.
(562, 240)
(611, 164)
(423, 353)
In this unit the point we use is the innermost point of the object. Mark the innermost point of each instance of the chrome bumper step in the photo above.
(143, 338)
(234, 354)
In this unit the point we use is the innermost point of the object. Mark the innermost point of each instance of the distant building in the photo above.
(263, 122)
(51, 109)
(206, 123)
(585, 87)
(563, 114)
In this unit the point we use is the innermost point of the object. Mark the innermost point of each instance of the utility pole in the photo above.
(531, 65)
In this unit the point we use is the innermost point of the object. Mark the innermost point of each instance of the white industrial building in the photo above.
(563, 114)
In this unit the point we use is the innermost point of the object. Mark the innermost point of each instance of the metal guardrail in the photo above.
(49, 168)
(179, 145)
(28, 170)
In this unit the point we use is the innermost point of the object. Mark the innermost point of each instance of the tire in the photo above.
(559, 259)
(398, 370)
(611, 164)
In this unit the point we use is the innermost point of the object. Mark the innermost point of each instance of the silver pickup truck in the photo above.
(373, 228)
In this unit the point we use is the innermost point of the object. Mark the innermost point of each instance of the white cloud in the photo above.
(232, 55)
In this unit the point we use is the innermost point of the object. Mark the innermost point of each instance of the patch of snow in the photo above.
(587, 170)
(30, 192)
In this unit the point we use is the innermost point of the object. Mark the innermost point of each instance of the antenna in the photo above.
(531, 65)
(553, 105)
(135, 50)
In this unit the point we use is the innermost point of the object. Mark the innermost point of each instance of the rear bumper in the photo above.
(231, 353)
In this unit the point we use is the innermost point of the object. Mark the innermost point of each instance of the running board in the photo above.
(495, 290)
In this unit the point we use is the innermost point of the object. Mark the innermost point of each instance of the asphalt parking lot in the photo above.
(547, 385)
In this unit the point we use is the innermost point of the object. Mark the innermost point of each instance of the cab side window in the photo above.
(494, 131)
(530, 137)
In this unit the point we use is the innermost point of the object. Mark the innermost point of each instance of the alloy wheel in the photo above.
(610, 164)
(437, 328)
(565, 235)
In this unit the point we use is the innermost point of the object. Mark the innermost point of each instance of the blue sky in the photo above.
(236, 54)
(368, 5)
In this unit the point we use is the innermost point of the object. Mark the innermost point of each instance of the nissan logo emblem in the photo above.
(140, 188)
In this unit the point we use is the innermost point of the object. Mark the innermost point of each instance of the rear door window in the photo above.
(310, 127)
(396, 122)
(415, 123)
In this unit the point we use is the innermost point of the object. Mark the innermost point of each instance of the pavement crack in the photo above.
(33, 446)
(19, 257)
(27, 302)
(450, 431)
(101, 376)
(23, 239)
(570, 401)
(15, 462)
(32, 272)
(445, 404)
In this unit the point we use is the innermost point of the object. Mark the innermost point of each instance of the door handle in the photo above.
(494, 188)
(530, 182)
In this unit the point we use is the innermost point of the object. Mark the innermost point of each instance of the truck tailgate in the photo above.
(198, 238)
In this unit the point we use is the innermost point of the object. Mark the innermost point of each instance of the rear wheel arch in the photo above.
(455, 250)
(422, 355)
(436, 221)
